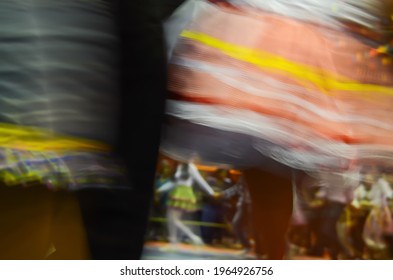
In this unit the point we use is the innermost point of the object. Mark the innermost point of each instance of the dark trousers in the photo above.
(115, 222)
(212, 213)
(330, 216)
(240, 225)
(315, 222)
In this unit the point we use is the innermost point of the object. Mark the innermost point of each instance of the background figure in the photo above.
(157, 230)
(241, 219)
(314, 201)
(338, 193)
(379, 219)
(389, 230)
(309, 201)
(361, 207)
(213, 212)
(299, 235)
(216, 211)
(182, 199)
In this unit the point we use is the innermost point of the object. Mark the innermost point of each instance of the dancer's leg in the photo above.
(177, 216)
(271, 210)
(172, 230)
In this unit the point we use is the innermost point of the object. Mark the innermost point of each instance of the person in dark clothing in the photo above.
(241, 219)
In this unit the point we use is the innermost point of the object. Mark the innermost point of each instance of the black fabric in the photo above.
(143, 83)
(116, 221)
(330, 216)
(182, 139)
(113, 222)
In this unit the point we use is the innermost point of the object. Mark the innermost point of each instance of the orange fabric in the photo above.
(322, 49)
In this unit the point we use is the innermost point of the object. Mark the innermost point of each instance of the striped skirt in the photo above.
(244, 82)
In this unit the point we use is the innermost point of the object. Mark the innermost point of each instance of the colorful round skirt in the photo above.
(183, 198)
(304, 95)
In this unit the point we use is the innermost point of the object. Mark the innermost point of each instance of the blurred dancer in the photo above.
(58, 125)
(268, 102)
(68, 74)
(182, 199)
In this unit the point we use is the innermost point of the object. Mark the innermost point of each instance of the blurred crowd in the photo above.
(348, 221)
(335, 216)
(221, 220)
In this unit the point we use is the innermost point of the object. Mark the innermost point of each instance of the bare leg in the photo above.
(271, 196)
(177, 216)
(172, 230)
